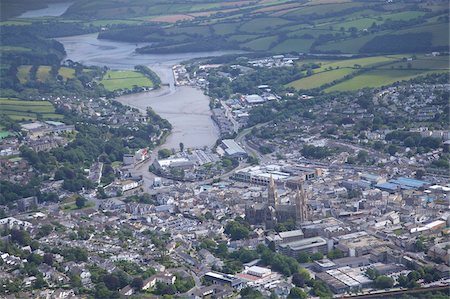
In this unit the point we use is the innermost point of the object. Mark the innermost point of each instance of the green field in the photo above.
(377, 78)
(294, 44)
(320, 79)
(260, 44)
(27, 110)
(115, 80)
(23, 73)
(440, 32)
(261, 25)
(43, 73)
(363, 62)
(348, 45)
(320, 26)
(66, 72)
(374, 71)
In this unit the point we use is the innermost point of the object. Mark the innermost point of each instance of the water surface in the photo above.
(52, 10)
(186, 108)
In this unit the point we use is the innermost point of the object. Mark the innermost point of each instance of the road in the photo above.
(240, 139)
(394, 293)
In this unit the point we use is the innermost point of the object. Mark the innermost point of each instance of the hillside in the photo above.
(280, 26)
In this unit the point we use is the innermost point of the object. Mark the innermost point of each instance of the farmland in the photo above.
(333, 26)
(42, 73)
(115, 80)
(377, 78)
(376, 71)
(18, 109)
(320, 79)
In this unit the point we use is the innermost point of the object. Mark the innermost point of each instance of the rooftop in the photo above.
(292, 233)
(305, 243)
(232, 147)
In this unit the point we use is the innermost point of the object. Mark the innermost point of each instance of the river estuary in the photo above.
(186, 108)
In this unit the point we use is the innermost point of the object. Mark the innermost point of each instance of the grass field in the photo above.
(260, 44)
(378, 78)
(115, 80)
(320, 79)
(23, 73)
(294, 44)
(27, 110)
(43, 73)
(440, 32)
(380, 70)
(66, 72)
(347, 46)
(363, 62)
(275, 26)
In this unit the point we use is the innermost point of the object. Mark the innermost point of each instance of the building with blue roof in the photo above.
(401, 183)
(412, 182)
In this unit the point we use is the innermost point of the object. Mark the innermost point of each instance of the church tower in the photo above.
(301, 205)
(272, 195)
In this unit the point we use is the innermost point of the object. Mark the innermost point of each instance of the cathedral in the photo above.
(273, 211)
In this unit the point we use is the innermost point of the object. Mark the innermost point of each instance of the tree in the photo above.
(403, 281)
(335, 254)
(111, 281)
(372, 273)
(137, 283)
(420, 173)
(80, 202)
(316, 256)
(419, 245)
(303, 257)
(236, 230)
(48, 259)
(392, 149)
(39, 283)
(362, 156)
(320, 289)
(164, 153)
(384, 282)
(75, 281)
(250, 293)
(297, 293)
(298, 280)
(20, 236)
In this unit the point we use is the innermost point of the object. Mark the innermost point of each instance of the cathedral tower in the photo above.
(301, 205)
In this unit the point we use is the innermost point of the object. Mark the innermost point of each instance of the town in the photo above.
(220, 221)
(224, 149)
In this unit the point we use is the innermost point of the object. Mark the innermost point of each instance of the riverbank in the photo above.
(185, 107)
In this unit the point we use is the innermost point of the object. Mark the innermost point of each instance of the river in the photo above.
(186, 108)
(52, 10)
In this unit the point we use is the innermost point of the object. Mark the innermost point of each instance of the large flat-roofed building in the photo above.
(253, 99)
(230, 148)
(260, 175)
(342, 279)
(224, 279)
(310, 245)
(358, 243)
(259, 271)
(285, 237)
(292, 177)
(182, 163)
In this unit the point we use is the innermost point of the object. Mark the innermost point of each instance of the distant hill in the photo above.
(280, 26)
